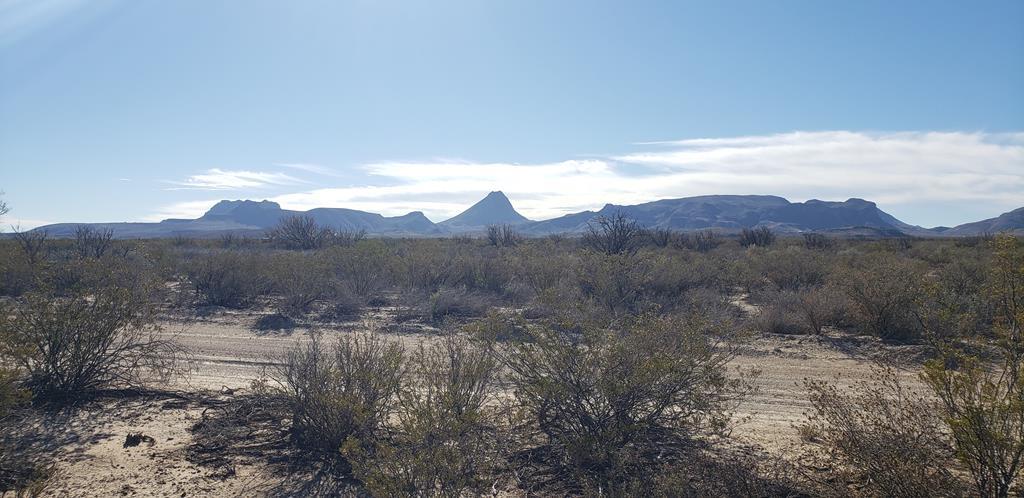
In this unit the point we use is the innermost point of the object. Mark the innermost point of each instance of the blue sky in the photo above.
(138, 110)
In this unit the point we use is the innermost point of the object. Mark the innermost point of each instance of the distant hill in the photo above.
(730, 213)
(1012, 221)
(734, 212)
(255, 217)
(494, 209)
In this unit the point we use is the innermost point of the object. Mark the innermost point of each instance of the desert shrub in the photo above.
(673, 274)
(614, 234)
(23, 474)
(500, 326)
(424, 265)
(889, 438)
(542, 266)
(451, 302)
(983, 403)
(705, 241)
(348, 390)
(503, 236)
(17, 273)
(779, 315)
(482, 269)
(665, 237)
(300, 232)
(883, 290)
(954, 303)
(70, 277)
(818, 241)
(985, 239)
(760, 236)
(898, 244)
(92, 242)
(818, 307)
(299, 280)
(12, 394)
(443, 442)
(33, 244)
(616, 283)
(70, 347)
(231, 279)
(365, 268)
(603, 400)
(723, 473)
(346, 238)
(792, 268)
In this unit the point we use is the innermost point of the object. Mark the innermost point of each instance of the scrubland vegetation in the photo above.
(595, 366)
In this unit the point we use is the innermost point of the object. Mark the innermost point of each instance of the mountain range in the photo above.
(853, 217)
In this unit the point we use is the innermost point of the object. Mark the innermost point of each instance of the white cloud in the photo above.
(181, 210)
(930, 177)
(893, 168)
(311, 168)
(218, 179)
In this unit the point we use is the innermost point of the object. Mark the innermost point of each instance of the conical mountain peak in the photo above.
(494, 209)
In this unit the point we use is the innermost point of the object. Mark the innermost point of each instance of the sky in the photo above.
(139, 110)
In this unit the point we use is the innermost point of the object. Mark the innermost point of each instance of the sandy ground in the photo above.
(228, 353)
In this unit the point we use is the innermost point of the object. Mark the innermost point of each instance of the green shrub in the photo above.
(760, 236)
(793, 268)
(612, 235)
(883, 292)
(347, 391)
(443, 443)
(603, 400)
(616, 283)
(983, 402)
(889, 438)
(299, 279)
(450, 302)
(69, 347)
(231, 279)
(705, 241)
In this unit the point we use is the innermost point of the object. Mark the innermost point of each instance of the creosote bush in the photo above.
(443, 442)
(300, 232)
(341, 391)
(503, 236)
(227, 278)
(614, 234)
(887, 436)
(984, 403)
(883, 291)
(606, 401)
(70, 347)
(760, 236)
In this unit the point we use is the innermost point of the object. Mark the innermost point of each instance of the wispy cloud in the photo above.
(218, 179)
(311, 168)
(181, 210)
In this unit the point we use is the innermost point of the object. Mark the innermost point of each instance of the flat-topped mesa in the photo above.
(227, 207)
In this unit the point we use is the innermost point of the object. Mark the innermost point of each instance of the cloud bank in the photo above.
(908, 172)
